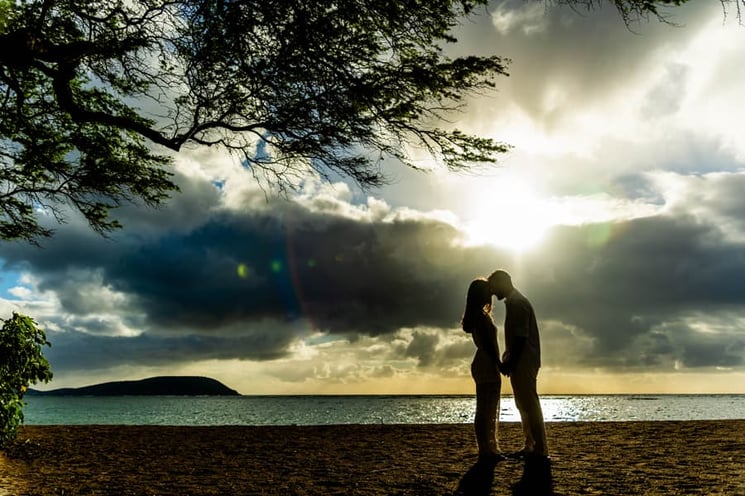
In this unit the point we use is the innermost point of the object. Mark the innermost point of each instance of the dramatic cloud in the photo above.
(243, 284)
(627, 145)
(662, 291)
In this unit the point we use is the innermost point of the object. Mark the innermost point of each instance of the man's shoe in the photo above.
(536, 459)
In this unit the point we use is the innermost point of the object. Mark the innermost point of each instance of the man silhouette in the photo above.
(521, 361)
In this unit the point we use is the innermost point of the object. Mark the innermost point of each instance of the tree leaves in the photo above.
(327, 86)
(90, 88)
(22, 363)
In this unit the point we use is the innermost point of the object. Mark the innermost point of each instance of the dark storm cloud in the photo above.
(344, 275)
(247, 284)
(622, 283)
(264, 274)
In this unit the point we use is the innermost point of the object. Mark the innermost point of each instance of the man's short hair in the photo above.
(501, 276)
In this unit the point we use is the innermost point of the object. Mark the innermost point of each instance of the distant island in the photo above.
(153, 386)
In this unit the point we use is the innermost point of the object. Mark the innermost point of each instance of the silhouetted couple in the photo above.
(520, 362)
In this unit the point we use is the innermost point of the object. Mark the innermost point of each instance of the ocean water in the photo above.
(326, 410)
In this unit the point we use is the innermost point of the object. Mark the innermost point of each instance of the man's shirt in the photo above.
(520, 321)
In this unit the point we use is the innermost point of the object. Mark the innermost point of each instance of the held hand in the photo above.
(506, 368)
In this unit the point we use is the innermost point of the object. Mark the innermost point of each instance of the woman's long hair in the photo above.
(478, 304)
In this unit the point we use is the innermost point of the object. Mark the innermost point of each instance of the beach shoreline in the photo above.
(604, 458)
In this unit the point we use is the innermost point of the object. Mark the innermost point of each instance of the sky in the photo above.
(619, 213)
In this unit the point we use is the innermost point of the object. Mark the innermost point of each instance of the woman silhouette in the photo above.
(484, 368)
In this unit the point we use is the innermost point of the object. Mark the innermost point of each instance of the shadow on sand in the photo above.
(478, 480)
(536, 479)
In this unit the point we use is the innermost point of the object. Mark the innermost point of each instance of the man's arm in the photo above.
(516, 323)
(516, 348)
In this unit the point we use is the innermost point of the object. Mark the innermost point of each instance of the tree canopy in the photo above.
(94, 94)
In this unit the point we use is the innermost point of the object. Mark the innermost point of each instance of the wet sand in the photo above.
(613, 458)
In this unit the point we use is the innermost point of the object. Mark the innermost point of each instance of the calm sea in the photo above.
(324, 410)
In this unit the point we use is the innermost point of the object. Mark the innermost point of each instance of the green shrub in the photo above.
(22, 363)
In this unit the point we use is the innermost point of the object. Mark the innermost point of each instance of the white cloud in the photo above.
(529, 19)
(21, 292)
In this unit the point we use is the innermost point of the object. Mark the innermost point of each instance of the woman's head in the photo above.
(478, 302)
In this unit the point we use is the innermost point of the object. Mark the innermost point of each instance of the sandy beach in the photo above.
(614, 458)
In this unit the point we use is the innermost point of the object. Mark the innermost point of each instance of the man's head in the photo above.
(500, 284)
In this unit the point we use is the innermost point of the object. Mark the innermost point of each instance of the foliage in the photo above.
(94, 93)
(87, 87)
(631, 10)
(21, 364)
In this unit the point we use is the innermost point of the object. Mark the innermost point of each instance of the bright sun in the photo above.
(506, 215)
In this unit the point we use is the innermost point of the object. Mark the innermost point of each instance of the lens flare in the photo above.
(243, 271)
